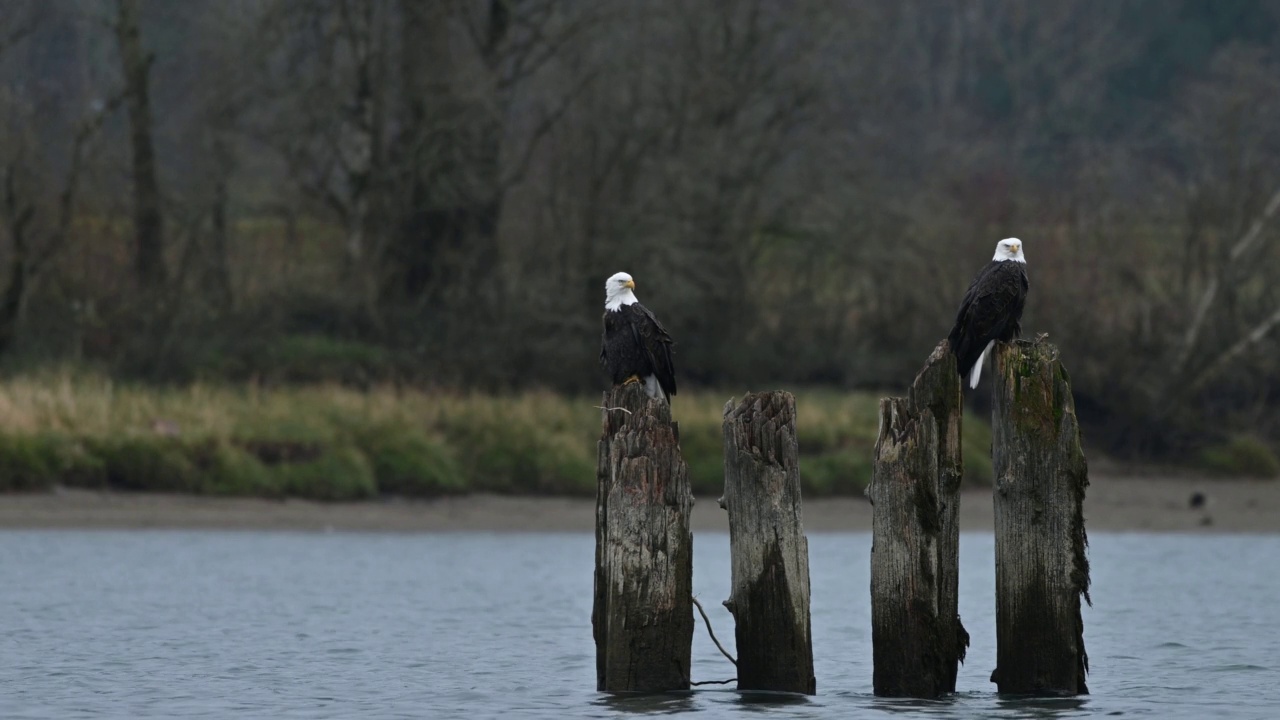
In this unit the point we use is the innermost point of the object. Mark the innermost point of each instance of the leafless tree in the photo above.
(148, 219)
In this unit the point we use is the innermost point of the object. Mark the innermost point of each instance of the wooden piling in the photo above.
(1040, 481)
(917, 638)
(642, 618)
(770, 577)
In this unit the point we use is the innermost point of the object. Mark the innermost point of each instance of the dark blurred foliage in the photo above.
(434, 192)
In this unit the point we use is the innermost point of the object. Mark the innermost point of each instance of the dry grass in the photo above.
(89, 430)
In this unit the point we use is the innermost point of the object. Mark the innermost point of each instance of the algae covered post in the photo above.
(770, 566)
(1041, 567)
(643, 610)
(916, 634)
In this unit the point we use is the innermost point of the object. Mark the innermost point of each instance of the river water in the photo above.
(296, 625)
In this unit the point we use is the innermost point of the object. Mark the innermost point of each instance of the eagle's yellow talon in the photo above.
(632, 379)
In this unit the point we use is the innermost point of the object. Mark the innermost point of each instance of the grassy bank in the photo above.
(332, 443)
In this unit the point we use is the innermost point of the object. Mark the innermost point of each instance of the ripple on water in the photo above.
(295, 625)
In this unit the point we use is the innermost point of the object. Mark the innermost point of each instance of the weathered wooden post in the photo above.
(1040, 480)
(916, 635)
(643, 613)
(770, 595)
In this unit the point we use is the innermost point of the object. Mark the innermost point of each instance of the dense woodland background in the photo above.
(432, 193)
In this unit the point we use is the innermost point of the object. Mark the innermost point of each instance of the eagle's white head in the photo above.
(1009, 249)
(618, 291)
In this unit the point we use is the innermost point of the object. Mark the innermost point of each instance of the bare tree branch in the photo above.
(70, 191)
(1246, 243)
(1253, 337)
(17, 33)
(544, 126)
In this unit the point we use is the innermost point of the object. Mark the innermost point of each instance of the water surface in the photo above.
(294, 625)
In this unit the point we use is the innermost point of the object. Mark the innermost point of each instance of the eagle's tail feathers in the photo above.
(653, 388)
(976, 372)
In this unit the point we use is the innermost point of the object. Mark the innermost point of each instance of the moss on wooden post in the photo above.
(917, 637)
(936, 393)
(770, 595)
(643, 612)
(1040, 481)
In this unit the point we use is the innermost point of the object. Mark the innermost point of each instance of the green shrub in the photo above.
(706, 474)
(702, 445)
(516, 455)
(411, 465)
(975, 450)
(564, 468)
(846, 472)
(227, 469)
(816, 438)
(302, 428)
(33, 462)
(1241, 456)
(340, 473)
(82, 467)
(157, 464)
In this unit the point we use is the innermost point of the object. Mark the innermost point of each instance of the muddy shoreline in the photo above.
(1114, 503)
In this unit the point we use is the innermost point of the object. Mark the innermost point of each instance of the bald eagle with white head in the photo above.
(991, 309)
(635, 347)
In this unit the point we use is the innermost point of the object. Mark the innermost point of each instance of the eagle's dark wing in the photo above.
(604, 340)
(990, 310)
(657, 343)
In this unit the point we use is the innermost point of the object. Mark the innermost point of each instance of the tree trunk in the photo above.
(770, 596)
(917, 637)
(148, 221)
(447, 233)
(218, 274)
(643, 611)
(424, 64)
(18, 215)
(1041, 568)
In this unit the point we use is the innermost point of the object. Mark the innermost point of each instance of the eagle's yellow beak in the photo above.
(1013, 249)
(630, 283)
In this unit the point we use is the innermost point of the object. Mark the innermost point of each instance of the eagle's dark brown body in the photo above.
(991, 310)
(636, 344)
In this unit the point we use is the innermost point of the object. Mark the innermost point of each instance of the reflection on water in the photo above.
(171, 624)
(646, 703)
(761, 700)
(913, 706)
(1029, 707)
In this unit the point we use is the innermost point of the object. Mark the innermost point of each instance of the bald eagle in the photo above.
(991, 309)
(635, 347)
